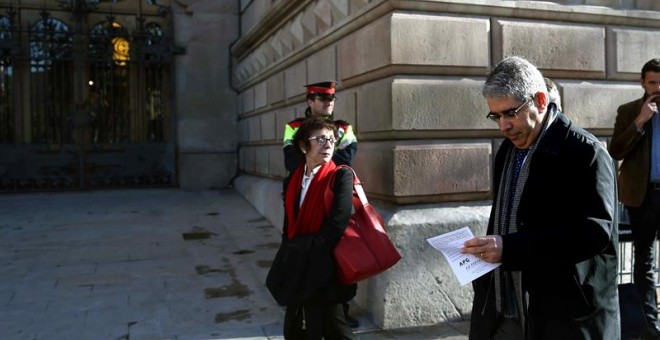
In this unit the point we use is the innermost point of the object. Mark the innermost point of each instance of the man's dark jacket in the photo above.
(566, 244)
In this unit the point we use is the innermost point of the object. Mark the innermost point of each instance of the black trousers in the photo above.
(316, 322)
(645, 224)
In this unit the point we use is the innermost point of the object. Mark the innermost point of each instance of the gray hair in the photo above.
(514, 77)
(553, 92)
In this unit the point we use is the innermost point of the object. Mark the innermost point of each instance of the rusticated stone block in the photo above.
(283, 116)
(345, 107)
(422, 104)
(422, 168)
(268, 128)
(262, 159)
(624, 41)
(295, 77)
(276, 161)
(243, 131)
(415, 39)
(438, 104)
(322, 66)
(366, 49)
(275, 88)
(375, 106)
(254, 126)
(593, 105)
(549, 46)
(260, 95)
(248, 159)
(247, 100)
(440, 40)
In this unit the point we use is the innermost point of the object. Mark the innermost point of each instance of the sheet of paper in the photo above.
(466, 267)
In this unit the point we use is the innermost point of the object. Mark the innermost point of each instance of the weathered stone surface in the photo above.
(201, 135)
(422, 104)
(438, 104)
(295, 77)
(247, 100)
(420, 168)
(260, 95)
(261, 159)
(366, 49)
(593, 105)
(440, 167)
(254, 128)
(322, 66)
(205, 171)
(549, 45)
(275, 88)
(626, 40)
(283, 116)
(415, 39)
(419, 39)
(264, 195)
(268, 127)
(276, 161)
(345, 107)
(373, 98)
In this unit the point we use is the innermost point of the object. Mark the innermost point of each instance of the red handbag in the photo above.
(364, 249)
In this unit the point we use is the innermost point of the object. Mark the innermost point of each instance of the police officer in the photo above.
(321, 102)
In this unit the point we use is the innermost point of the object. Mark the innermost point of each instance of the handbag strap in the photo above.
(359, 197)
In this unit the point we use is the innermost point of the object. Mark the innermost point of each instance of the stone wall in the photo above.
(205, 103)
(410, 74)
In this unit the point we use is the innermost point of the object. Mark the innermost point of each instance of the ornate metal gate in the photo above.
(85, 96)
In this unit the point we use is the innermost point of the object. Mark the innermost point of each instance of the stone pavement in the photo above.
(145, 264)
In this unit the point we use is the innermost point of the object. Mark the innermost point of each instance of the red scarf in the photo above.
(312, 211)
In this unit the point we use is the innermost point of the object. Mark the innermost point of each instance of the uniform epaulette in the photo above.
(296, 122)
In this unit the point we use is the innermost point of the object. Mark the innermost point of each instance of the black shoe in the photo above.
(352, 322)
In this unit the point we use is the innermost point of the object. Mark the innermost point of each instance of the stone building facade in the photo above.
(410, 75)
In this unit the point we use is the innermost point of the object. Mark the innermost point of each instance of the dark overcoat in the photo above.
(566, 244)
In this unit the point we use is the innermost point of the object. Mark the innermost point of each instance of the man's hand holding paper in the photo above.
(488, 248)
(460, 256)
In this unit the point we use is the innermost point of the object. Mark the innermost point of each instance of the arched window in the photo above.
(50, 40)
(109, 40)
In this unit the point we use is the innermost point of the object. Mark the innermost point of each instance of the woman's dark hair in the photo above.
(652, 65)
(305, 130)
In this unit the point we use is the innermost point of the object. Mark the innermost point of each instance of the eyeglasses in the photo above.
(323, 139)
(325, 97)
(507, 115)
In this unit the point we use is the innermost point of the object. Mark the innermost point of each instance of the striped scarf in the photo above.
(508, 292)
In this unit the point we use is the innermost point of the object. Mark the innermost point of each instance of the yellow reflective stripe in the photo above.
(348, 138)
(289, 132)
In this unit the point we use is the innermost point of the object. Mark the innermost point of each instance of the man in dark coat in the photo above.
(636, 132)
(553, 222)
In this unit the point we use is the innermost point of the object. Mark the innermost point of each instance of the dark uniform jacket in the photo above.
(566, 244)
(634, 148)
